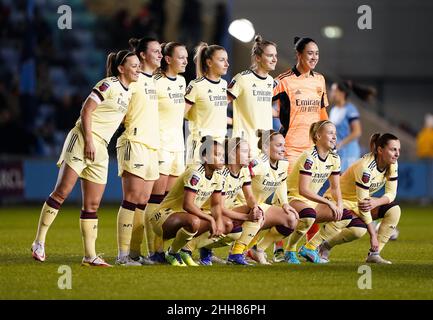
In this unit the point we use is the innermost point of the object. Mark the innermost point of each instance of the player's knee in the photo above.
(91, 205)
(284, 230)
(357, 232)
(132, 196)
(228, 226)
(390, 207)
(60, 194)
(192, 224)
(290, 222)
(393, 213)
(144, 198)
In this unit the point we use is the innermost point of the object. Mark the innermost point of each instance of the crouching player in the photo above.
(179, 215)
(365, 177)
(312, 169)
(268, 175)
(237, 179)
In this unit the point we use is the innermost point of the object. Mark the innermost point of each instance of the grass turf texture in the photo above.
(410, 277)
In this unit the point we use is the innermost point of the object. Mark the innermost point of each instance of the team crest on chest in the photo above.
(319, 91)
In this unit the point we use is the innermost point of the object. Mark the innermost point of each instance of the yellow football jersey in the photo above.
(194, 180)
(208, 114)
(362, 179)
(310, 163)
(171, 106)
(267, 179)
(109, 113)
(232, 186)
(142, 120)
(252, 105)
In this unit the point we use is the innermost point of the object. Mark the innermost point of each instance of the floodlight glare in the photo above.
(242, 29)
(332, 32)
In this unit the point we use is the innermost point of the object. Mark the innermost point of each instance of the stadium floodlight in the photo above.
(242, 29)
(332, 32)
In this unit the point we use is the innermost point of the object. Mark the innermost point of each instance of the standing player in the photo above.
(206, 99)
(301, 96)
(180, 216)
(85, 154)
(137, 154)
(170, 87)
(312, 169)
(364, 178)
(268, 175)
(251, 92)
(345, 116)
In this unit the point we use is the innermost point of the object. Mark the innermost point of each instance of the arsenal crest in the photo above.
(319, 91)
(194, 180)
(104, 86)
(365, 177)
(308, 164)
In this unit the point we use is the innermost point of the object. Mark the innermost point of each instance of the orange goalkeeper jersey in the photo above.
(302, 100)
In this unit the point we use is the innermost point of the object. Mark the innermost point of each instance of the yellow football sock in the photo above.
(48, 214)
(137, 233)
(150, 235)
(303, 226)
(347, 235)
(226, 241)
(270, 237)
(388, 225)
(158, 244)
(181, 239)
(125, 220)
(248, 235)
(327, 232)
(89, 233)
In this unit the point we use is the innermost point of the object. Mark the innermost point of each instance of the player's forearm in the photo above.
(193, 209)
(313, 196)
(234, 215)
(336, 195)
(86, 123)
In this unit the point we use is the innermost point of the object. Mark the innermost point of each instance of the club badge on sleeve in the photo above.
(194, 180)
(104, 86)
(308, 164)
(365, 177)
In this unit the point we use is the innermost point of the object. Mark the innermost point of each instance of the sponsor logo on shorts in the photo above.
(138, 165)
(75, 159)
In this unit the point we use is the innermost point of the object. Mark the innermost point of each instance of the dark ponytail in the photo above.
(140, 45)
(377, 140)
(116, 59)
(207, 144)
(300, 43)
(167, 49)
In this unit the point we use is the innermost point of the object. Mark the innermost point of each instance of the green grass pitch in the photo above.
(410, 277)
